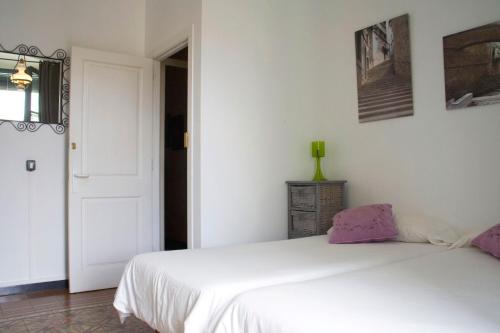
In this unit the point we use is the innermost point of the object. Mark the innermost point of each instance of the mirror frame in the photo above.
(58, 54)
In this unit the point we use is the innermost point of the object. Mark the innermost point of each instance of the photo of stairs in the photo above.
(383, 61)
(385, 95)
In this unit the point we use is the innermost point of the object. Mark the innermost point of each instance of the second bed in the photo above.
(453, 291)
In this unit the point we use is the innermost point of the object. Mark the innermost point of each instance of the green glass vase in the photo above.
(318, 175)
(317, 152)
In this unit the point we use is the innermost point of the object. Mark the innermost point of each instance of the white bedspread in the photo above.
(455, 291)
(186, 291)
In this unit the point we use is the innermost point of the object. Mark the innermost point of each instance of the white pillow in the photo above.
(424, 229)
(466, 239)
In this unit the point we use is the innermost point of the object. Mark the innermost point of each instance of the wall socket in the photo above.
(30, 165)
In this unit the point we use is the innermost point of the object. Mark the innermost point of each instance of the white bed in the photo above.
(187, 291)
(453, 291)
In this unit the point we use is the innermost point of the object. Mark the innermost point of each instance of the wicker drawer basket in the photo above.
(311, 206)
(303, 197)
(302, 224)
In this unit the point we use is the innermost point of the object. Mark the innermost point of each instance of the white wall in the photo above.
(32, 205)
(258, 115)
(441, 163)
(277, 74)
(167, 21)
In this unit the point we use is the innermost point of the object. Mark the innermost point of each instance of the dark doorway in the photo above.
(175, 176)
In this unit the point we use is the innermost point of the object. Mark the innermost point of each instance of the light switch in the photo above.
(30, 165)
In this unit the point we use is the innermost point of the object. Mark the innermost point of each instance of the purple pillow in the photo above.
(489, 241)
(364, 224)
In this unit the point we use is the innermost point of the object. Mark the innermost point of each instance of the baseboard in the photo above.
(26, 288)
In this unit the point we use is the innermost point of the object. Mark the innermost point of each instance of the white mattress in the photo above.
(186, 291)
(454, 291)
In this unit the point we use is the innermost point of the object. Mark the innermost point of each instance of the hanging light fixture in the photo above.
(20, 78)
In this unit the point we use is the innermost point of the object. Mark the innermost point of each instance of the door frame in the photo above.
(176, 44)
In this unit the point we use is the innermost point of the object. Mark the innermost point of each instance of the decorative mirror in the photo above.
(34, 88)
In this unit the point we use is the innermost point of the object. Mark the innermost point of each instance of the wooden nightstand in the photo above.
(311, 206)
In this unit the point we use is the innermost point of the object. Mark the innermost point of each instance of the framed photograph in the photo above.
(383, 62)
(472, 67)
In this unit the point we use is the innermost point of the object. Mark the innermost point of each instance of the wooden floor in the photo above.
(58, 311)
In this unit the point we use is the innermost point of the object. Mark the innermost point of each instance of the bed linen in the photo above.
(186, 291)
(453, 291)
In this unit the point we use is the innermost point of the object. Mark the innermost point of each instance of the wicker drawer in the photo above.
(303, 197)
(311, 206)
(302, 224)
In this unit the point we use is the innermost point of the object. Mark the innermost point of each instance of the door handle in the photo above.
(75, 183)
(80, 176)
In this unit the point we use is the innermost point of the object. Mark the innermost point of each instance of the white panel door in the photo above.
(110, 166)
